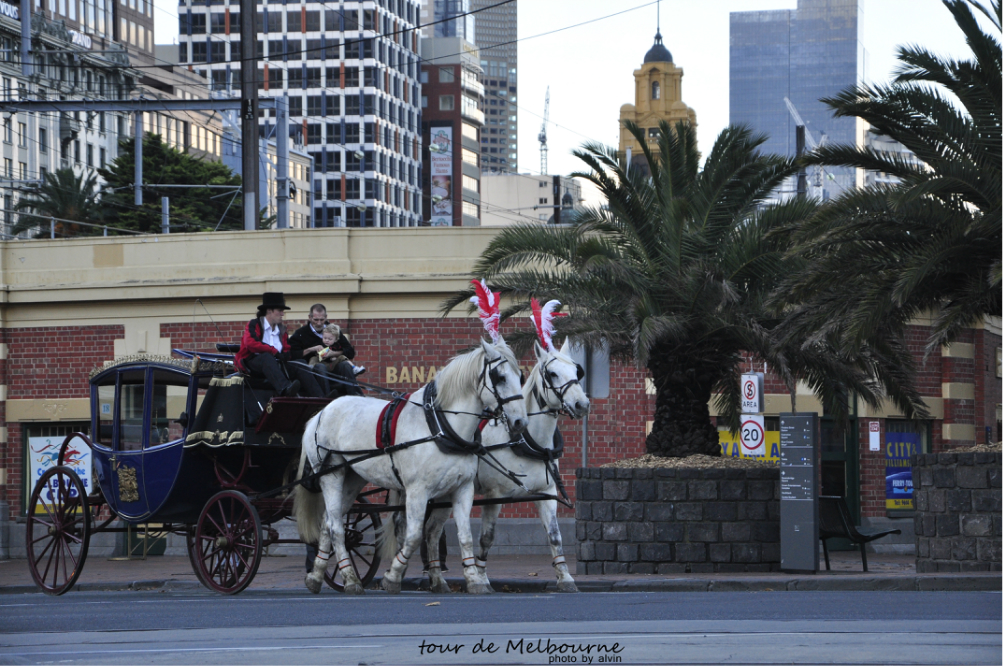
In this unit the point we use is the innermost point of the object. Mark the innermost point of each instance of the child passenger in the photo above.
(333, 352)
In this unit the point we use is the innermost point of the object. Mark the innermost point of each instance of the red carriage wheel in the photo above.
(193, 552)
(361, 528)
(58, 530)
(227, 548)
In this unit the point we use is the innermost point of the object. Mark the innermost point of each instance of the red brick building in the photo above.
(73, 305)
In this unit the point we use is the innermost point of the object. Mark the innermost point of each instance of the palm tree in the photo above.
(673, 275)
(878, 257)
(65, 196)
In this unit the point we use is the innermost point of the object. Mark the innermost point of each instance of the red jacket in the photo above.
(251, 343)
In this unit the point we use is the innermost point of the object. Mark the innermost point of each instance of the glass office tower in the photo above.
(350, 70)
(496, 35)
(803, 54)
(443, 11)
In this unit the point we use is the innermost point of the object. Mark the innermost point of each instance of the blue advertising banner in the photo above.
(899, 448)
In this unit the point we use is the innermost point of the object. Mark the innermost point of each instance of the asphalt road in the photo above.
(632, 628)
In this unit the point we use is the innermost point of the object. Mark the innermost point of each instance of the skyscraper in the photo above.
(496, 37)
(802, 54)
(350, 71)
(447, 18)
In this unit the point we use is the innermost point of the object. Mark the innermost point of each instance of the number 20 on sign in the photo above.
(753, 436)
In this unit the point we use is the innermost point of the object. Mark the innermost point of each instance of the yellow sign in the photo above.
(732, 446)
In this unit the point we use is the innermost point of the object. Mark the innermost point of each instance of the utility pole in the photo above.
(542, 136)
(799, 136)
(282, 160)
(249, 112)
(26, 39)
(137, 130)
(165, 215)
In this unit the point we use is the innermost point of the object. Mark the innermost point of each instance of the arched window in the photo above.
(656, 90)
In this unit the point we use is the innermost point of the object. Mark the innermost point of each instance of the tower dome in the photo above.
(658, 53)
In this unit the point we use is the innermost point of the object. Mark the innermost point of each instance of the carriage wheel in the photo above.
(361, 529)
(58, 530)
(227, 548)
(193, 552)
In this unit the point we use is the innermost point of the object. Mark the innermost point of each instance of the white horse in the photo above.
(553, 386)
(486, 378)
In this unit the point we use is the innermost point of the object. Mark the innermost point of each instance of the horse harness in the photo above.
(445, 437)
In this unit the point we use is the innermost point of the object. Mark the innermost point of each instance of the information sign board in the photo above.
(798, 494)
(752, 393)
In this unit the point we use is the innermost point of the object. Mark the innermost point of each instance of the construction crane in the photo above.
(816, 179)
(542, 138)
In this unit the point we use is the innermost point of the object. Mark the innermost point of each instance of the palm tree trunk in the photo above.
(682, 424)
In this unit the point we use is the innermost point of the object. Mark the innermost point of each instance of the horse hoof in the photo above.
(393, 587)
(440, 587)
(354, 588)
(479, 588)
(313, 584)
(567, 586)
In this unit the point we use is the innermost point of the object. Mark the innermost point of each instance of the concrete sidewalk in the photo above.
(523, 573)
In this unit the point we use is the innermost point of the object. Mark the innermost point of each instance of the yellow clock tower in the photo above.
(657, 97)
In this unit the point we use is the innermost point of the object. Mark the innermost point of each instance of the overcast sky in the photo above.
(589, 68)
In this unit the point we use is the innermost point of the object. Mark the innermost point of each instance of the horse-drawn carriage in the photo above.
(211, 477)
(223, 477)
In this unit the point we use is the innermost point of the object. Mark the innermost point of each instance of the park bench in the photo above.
(834, 521)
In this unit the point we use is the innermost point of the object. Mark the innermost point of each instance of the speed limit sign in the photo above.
(753, 436)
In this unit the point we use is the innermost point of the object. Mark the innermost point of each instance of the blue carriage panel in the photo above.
(169, 405)
(139, 418)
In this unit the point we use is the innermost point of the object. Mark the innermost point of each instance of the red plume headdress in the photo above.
(543, 319)
(488, 308)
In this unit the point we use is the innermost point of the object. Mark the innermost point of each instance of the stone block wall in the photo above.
(677, 520)
(957, 500)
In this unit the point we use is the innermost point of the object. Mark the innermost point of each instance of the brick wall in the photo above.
(988, 387)
(51, 362)
(957, 497)
(677, 520)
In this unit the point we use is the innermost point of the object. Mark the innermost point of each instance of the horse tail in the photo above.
(386, 536)
(308, 507)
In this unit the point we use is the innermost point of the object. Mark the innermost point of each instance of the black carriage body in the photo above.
(155, 463)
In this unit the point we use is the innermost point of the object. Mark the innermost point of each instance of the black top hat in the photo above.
(272, 300)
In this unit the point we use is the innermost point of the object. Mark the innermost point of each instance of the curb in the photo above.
(524, 586)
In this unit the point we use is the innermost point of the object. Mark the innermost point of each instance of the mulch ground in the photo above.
(697, 461)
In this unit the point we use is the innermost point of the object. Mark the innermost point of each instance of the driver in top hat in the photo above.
(264, 351)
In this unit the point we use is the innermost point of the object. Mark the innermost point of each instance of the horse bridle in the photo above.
(559, 391)
(490, 370)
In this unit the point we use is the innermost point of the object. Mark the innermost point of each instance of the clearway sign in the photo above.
(752, 393)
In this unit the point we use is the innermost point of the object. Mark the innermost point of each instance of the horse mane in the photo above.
(460, 376)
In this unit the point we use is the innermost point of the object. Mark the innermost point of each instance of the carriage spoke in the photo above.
(69, 552)
(57, 553)
(359, 555)
(51, 544)
(48, 508)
